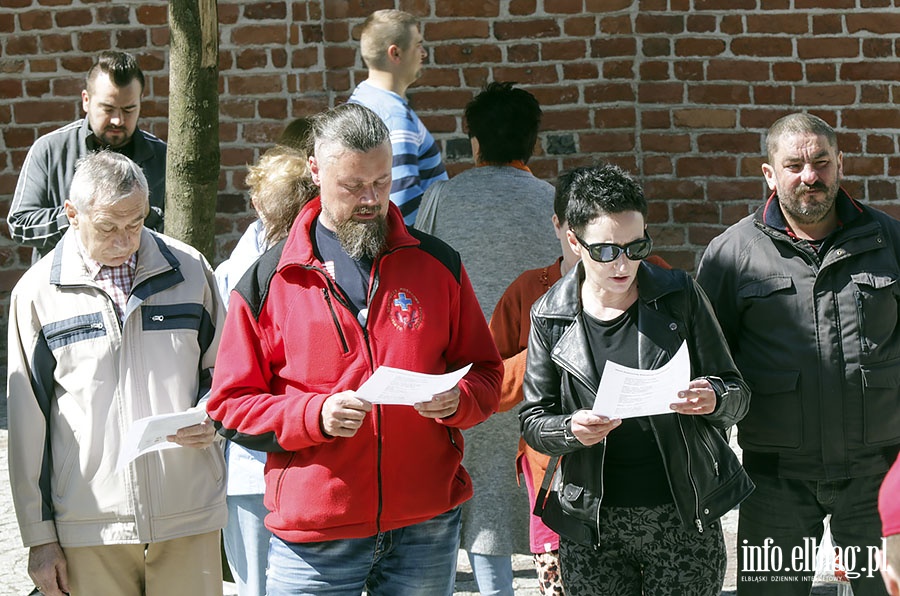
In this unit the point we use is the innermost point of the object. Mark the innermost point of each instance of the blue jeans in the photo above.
(247, 543)
(418, 560)
(493, 574)
(781, 515)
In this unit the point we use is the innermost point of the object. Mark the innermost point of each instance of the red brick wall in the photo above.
(680, 92)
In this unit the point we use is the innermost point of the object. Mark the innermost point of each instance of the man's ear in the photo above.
(71, 213)
(769, 172)
(891, 580)
(314, 170)
(394, 51)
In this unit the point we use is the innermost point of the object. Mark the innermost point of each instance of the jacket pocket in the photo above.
(765, 287)
(775, 418)
(172, 317)
(68, 331)
(876, 297)
(881, 403)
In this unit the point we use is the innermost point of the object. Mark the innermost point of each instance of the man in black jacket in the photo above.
(806, 291)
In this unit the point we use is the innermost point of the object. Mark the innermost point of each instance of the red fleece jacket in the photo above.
(289, 343)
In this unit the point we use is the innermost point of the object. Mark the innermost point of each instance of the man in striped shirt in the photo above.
(391, 46)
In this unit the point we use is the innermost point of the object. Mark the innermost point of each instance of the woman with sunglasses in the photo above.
(637, 501)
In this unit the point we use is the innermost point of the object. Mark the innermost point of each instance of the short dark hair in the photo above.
(121, 67)
(598, 190)
(798, 123)
(505, 120)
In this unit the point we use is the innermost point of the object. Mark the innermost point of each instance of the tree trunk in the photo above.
(192, 165)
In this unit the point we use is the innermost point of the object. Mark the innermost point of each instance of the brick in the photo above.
(775, 4)
(607, 142)
(718, 94)
(654, 71)
(7, 23)
(821, 72)
(787, 71)
(534, 75)
(53, 44)
(563, 50)
(656, 165)
(601, 6)
(562, 6)
(825, 4)
(616, 46)
(667, 235)
(689, 70)
(724, 5)
(666, 93)
(557, 120)
(17, 3)
(704, 118)
(618, 69)
(699, 47)
(466, 53)
(131, 38)
(337, 57)
(608, 118)
(875, 94)
(673, 189)
(733, 143)
(864, 166)
(850, 142)
(457, 29)
(443, 99)
(880, 22)
(236, 157)
(539, 28)
(737, 70)
(789, 23)
(273, 108)
(467, 8)
(555, 96)
(160, 36)
(734, 190)
(827, 24)
(40, 112)
(18, 137)
(476, 76)
(882, 190)
(656, 119)
(827, 47)
(73, 18)
(151, 15)
(252, 85)
(761, 46)
(522, 7)
(265, 10)
(579, 71)
(312, 34)
(440, 124)
(608, 93)
(870, 71)
(228, 13)
(20, 44)
(113, 15)
(259, 34)
(309, 104)
(665, 143)
(825, 95)
(251, 58)
(580, 26)
(692, 213)
(337, 80)
(618, 25)
(705, 166)
(875, 3)
(771, 95)
(654, 47)
(34, 19)
(91, 42)
(701, 23)
(304, 58)
(732, 25)
(307, 82)
(37, 88)
(43, 65)
(439, 77)
(76, 64)
(655, 23)
(877, 48)
(870, 118)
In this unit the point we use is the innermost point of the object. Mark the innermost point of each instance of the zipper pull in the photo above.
(716, 467)
(96, 325)
(699, 525)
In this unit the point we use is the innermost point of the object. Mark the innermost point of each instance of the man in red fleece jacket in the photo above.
(361, 496)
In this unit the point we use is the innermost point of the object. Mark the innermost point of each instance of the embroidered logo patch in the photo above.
(405, 311)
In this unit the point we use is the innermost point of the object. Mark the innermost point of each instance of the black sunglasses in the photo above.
(606, 252)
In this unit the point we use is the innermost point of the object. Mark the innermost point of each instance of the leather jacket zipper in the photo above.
(602, 488)
(687, 450)
(706, 446)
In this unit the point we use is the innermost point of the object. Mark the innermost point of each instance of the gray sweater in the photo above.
(499, 219)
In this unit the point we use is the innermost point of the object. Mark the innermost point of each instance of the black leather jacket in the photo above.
(705, 476)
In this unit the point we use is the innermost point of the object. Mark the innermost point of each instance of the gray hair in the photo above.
(798, 123)
(349, 126)
(105, 178)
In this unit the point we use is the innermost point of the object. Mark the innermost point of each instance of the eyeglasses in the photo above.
(606, 252)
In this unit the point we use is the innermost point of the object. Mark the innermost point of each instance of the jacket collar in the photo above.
(771, 215)
(141, 150)
(298, 248)
(564, 299)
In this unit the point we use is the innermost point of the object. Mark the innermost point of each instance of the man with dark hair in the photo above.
(362, 496)
(806, 290)
(391, 48)
(503, 123)
(111, 100)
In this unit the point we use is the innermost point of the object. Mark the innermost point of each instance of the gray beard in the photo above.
(363, 239)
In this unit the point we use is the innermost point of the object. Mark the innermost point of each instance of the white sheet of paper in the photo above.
(626, 392)
(149, 434)
(389, 385)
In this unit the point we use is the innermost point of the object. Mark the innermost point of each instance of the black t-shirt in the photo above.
(633, 470)
(351, 276)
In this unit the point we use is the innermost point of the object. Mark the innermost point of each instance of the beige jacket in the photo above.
(78, 379)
